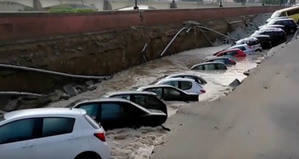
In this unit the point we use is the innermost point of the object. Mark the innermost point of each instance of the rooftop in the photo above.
(43, 112)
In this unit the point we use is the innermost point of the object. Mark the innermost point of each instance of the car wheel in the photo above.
(88, 156)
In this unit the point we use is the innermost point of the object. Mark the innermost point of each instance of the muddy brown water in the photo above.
(139, 143)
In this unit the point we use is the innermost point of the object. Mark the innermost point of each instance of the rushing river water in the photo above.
(139, 143)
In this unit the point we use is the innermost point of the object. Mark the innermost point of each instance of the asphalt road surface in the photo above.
(259, 120)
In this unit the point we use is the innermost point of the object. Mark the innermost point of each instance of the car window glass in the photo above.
(140, 99)
(171, 93)
(127, 97)
(153, 102)
(220, 66)
(282, 14)
(92, 109)
(57, 126)
(158, 91)
(185, 85)
(253, 42)
(18, 131)
(220, 60)
(111, 111)
(200, 67)
(198, 81)
(242, 48)
(172, 83)
(210, 67)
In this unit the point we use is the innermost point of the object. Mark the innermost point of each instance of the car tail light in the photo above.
(202, 91)
(232, 61)
(100, 136)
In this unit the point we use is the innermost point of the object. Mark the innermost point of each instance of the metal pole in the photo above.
(220, 4)
(136, 6)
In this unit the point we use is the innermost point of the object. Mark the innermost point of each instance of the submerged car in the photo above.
(264, 40)
(185, 84)
(290, 12)
(148, 100)
(208, 66)
(118, 113)
(48, 133)
(271, 26)
(252, 43)
(170, 93)
(290, 26)
(276, 35)
(244, 47)
(225, 60)
(197, 79)
(233, 52)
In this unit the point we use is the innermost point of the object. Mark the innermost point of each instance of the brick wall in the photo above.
(36, 25)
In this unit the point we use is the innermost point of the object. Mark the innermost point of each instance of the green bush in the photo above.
(62, 9)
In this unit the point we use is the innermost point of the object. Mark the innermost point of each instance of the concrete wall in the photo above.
(24, 26)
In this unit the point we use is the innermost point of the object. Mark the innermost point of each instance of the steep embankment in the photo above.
(258, 120)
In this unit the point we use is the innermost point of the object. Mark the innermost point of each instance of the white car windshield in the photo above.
(275, 14)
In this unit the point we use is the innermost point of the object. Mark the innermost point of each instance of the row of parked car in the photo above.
(77, 132)
(273, 33)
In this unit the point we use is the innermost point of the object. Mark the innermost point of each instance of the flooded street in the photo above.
(139, 143)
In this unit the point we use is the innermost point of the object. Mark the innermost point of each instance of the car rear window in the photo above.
(242, 48)
(210, 67)
(252, 42)
(185, 85)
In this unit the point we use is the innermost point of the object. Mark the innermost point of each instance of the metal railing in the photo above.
(121, 5)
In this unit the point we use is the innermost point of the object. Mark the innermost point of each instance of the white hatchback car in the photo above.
(252, 42)
(244, 47)
(49, 133)
(185, 84)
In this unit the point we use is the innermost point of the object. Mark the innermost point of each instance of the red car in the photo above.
(233, 52)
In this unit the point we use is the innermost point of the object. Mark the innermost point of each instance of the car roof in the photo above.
(218, 58)
(229, 49)
(260, 35)
(207, 63)
(286, 9)
(109, 94)
(270, 29)
(156, 86)
(247, 39)
(176, 79)
(112, 100)
(43, 112)
(182, 74)
(281, 19)
(270, 26)
(239, 45)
